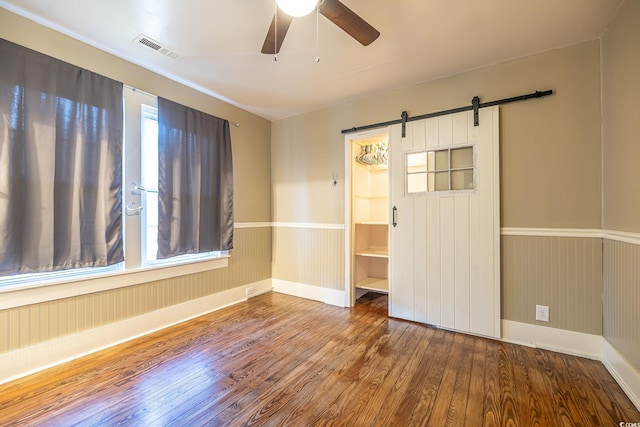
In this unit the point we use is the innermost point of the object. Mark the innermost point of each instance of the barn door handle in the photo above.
(394, 216)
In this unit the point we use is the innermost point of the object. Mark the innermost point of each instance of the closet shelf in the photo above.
(374, 252)
(374, 284)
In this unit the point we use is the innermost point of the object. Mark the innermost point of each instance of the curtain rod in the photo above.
(135, 89)
(475, 105)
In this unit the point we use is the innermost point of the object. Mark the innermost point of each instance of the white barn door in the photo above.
(444, 246)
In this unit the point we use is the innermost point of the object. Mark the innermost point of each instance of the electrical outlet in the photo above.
(542, 313)
(249, 290)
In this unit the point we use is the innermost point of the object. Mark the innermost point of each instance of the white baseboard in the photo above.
(28, 360)
(577, 344)
(560, 340)
(316, 293)
(624, 374)
(41, 356)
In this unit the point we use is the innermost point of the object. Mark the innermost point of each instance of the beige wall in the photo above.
(251, 258)
(550, 168)
(550, 176)
(621, 114)
(305, 152)
(621, 180)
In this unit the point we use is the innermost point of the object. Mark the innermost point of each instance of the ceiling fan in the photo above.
(334, 10)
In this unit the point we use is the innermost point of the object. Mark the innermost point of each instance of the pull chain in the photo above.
(317, 32)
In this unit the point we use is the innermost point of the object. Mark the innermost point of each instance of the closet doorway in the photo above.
(367, 217)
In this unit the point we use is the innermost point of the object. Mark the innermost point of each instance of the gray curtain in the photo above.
(195, 181)
(60, 164)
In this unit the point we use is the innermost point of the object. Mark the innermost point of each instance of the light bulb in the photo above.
(297, 8)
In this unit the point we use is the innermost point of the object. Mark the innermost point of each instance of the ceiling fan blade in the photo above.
(349, 21)
(269, 45)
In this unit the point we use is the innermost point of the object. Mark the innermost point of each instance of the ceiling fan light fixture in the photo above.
(297, 8)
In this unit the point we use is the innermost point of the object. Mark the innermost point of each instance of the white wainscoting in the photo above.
(575, 343)
(38, 357)
(25, 361)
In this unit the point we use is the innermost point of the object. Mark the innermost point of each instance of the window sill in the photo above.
(33, 294)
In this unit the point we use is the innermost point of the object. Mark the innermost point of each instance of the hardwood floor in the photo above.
(280, 360)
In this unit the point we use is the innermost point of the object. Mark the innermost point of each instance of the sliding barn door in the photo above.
(444, 249)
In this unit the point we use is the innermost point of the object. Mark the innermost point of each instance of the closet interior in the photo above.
(370, 215)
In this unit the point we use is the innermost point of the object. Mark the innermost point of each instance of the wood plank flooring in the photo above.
(279, 360)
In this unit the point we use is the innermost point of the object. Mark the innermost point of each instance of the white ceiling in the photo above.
(219, 43)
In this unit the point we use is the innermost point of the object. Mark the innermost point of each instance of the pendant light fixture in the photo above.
(297, 8)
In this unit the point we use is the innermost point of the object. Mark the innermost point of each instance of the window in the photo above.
(195, 179)
(64, 107)
(139, 206)
(149, 194)
(60, 168)
(450, 169)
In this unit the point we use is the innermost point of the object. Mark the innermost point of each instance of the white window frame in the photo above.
(146, 112)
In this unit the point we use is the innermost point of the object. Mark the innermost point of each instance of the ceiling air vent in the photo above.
(152, 44)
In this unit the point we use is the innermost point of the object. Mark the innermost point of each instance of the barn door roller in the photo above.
(475, 106)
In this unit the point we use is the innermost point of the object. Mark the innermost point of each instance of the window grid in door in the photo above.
(449, 169)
